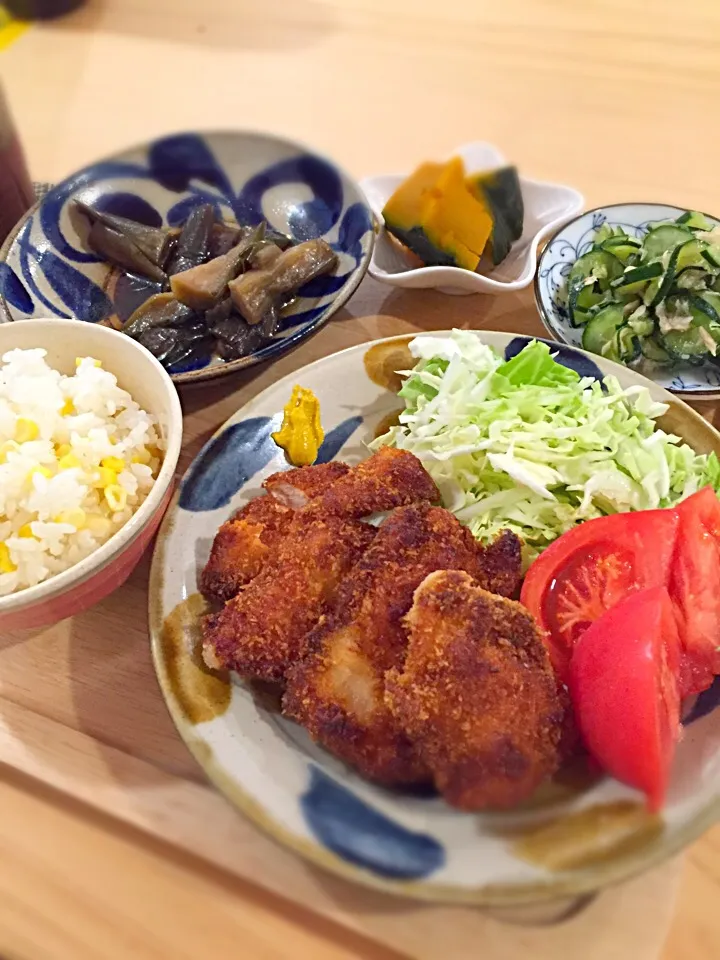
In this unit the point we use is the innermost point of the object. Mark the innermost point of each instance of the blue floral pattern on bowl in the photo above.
(574, 240)
(48, 270)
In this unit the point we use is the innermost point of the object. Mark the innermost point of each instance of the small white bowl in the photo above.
(138, 372)
(547, 207)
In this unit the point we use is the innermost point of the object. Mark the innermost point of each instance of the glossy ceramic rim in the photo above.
(556, 335)
(597, 876)
(279, 347)
(122, 538)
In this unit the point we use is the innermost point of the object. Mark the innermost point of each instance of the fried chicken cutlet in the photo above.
(337, 691)
(477, 694)
(244, 543)
(259, 632)
(389, 478)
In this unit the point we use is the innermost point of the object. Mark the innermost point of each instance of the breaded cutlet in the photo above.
(389, 478)
(476, 694)
(295, 488)
(245, 542)
(260, 632)
(337, 691)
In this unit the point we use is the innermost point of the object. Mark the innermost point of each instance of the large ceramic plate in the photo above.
(571, 839)
(47, 270)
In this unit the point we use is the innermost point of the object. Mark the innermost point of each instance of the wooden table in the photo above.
(614, 98)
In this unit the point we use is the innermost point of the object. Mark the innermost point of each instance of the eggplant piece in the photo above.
(153, 242)
(172, 346)
(235, 338)
(204, 286)
(265, 255)
(260, 293)
(122, 251)
(160, 310)
(224, 236)
(219, 313)
(279, 239)
(193, 244)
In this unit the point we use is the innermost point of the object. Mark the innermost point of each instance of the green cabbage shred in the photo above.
(527, 444)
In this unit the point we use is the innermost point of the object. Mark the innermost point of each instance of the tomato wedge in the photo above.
(695, 589)
(623, 685)
(591, 568)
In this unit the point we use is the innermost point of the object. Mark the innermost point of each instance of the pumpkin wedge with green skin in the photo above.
(500, 191)
(435, 215)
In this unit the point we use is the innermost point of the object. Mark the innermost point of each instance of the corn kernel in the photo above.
(9, 446)
(116, 497)
(75, 516)
(113, 463)
(6, 564)
(79, 360)
(67, 408)
(40, 472)
(26, 430)
(98, 525)
(106, 477)
(62, 449)
(26, 531)
(68, 462)
(142, 456)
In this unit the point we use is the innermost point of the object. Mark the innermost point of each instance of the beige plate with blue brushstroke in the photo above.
(576, 837)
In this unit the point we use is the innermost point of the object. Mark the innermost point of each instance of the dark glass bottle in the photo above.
(41, 9)
(16, 192)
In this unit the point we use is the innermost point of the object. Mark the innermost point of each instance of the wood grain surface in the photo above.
(591, 95)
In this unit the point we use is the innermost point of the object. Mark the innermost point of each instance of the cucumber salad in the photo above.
(656, 298)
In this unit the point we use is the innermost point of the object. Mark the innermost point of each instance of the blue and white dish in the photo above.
(47, 271)
(268, 767)
(702, 380)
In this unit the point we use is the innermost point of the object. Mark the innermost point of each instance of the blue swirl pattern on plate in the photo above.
(230, 459)
(362, 835)
(248, 177)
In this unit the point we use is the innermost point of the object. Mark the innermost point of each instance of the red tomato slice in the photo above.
(592, 567)
(623, 685)
(695, 589)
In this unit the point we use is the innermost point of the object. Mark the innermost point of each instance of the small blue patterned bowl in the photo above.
(701, 381)
(47, 271)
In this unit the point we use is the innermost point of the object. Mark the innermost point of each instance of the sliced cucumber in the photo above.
(642, 326)
(713, 298)
(670, 273)
(667, 236)
(703, 311)
(685, 344)
(627, 344)
(651, 290)
(600, 329)
(599, 264)
(690, 255)
(691, 278)
(711, 254)
(694, 220)
(622, 247)
(634, 280)
(652, 350)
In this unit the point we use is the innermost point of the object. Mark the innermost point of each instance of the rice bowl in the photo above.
(77, 457)
(90, 434)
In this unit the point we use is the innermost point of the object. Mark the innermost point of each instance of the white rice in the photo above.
(77, 458)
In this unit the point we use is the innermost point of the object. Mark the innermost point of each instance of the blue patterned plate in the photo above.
(573, 838)
(47, 271)
(700, 381)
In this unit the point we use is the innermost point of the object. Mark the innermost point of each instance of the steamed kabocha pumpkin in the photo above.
(435, 215)
(500, 191)
(449, 219)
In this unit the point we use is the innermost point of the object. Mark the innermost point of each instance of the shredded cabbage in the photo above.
(526, 444)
